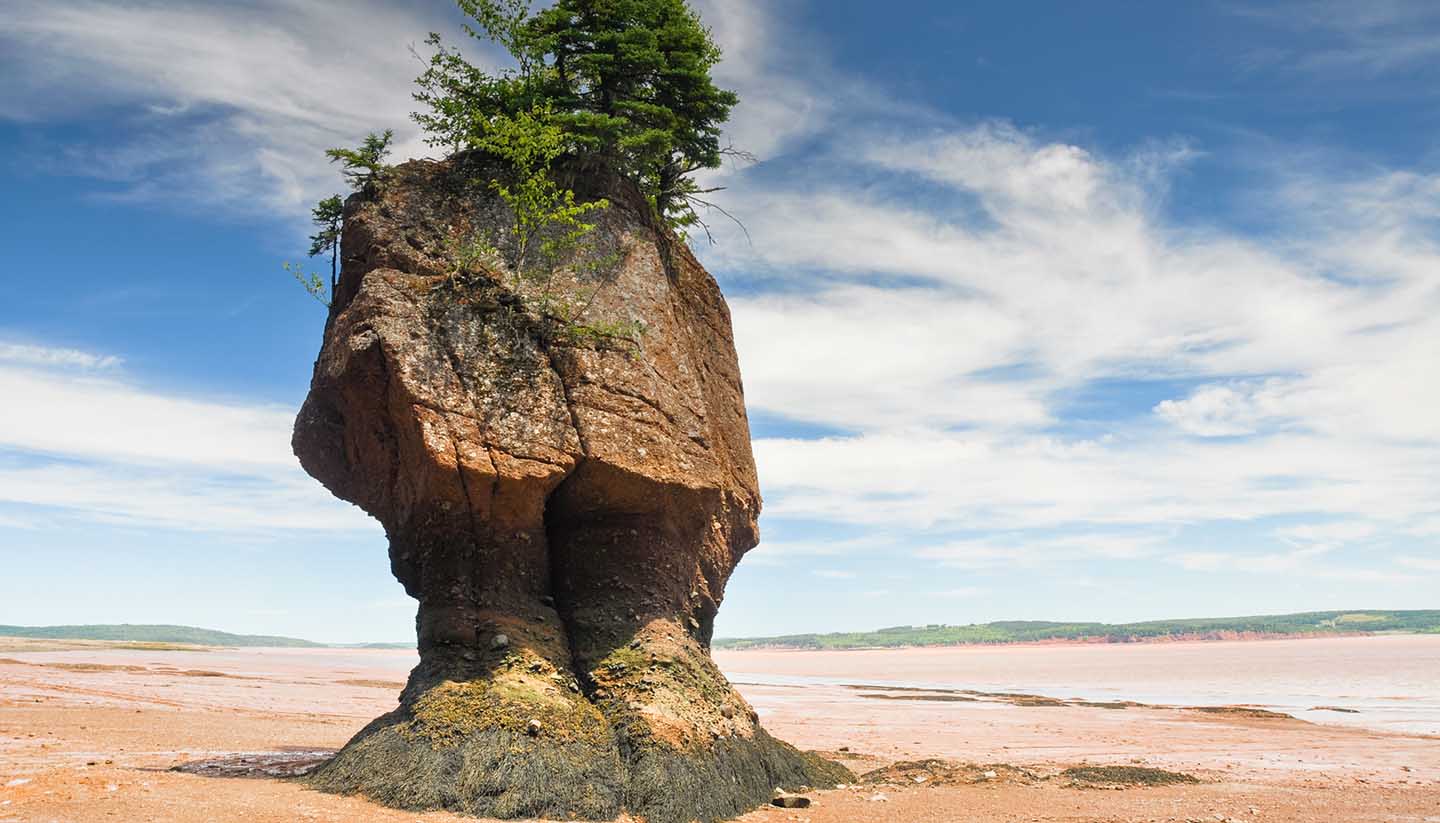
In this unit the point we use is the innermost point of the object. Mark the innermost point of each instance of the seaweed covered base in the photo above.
(735, 775)
(488, 750)
(488, 773)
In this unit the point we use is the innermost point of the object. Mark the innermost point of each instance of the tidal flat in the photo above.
(967, 734)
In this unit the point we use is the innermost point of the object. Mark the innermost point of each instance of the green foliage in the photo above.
(313, 283)
(1024, 631)
(626, 81)
(326, 216)
(548, 226)
(460, 100)
(548, 232)
(364, 165)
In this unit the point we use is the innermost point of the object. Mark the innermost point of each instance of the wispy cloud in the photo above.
(1032, 551)
(1430, 565)
(941, 290)
(102, 448)
(233, 106)
(211, 101)
(8, 522)
(962, 593)
(951, 338)
(28, 355)
(1301, 563)
(1380, 37)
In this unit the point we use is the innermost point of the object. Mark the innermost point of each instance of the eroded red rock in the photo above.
(567, 514)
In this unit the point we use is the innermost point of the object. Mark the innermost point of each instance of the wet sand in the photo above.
(91, 733)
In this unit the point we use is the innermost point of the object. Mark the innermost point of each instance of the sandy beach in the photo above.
(91, 733)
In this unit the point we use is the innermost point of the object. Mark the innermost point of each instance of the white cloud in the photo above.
(1310, 553)
(1377, 38)
(865, 356)
(1204, 561)
(105, 418)
(1305, 563)
(1050, 271)
(105, 449)
(962, 593)
(767, 61)
(941, 291)
(1327, 534)
(1227, 410)
(1031, 551)
(221, 103)
(8, 522)
(234, 106)
(1423, 564)
(28, 355)
(774, 552)
(126, 495)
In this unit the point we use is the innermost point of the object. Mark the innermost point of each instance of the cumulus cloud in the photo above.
(950, 336)
(1226, 410)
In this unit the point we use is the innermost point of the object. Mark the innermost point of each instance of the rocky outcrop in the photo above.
(567, 514)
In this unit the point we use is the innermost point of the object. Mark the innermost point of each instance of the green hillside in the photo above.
(151, 634)
(1023, 631)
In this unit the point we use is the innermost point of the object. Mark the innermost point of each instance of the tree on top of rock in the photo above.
(628, 81)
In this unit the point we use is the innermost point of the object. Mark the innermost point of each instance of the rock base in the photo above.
(398, 761)
(490, 773)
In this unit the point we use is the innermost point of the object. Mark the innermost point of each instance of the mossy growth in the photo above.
(729, 778)
(491, 772)
(1127, 776)
(452, 711)
(623, 659)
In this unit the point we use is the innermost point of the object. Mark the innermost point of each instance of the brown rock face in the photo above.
(566, 514)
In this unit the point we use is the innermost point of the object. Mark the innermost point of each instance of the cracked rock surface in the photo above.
(566, 515)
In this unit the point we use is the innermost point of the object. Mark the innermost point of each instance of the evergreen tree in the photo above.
(327, 216)
(628, 82)
(366, 164)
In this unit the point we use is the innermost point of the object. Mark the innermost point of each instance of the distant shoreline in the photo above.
(1355, 623)
(1235, 637)
(1043, 633)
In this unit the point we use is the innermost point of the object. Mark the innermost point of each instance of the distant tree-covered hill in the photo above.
(1035, 631)
(151, 634)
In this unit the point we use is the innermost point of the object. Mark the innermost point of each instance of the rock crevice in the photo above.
(586, 503)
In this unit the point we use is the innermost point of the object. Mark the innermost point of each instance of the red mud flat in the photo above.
(94, 734)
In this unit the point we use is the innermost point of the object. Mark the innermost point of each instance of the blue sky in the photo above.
(1050, 310)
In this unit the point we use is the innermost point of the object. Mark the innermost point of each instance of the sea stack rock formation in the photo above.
(566, 512)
